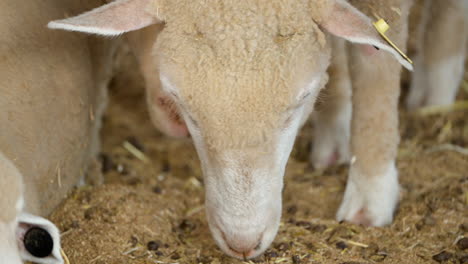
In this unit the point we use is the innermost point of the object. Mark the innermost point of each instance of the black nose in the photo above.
(38, 242)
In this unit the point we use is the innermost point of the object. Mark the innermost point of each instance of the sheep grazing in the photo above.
(242, 77)
(52, 86)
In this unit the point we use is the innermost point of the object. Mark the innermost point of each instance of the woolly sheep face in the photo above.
(244, 90)
(244, 75)
(243, 102)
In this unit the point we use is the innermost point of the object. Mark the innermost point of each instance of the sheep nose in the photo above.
(244, 245)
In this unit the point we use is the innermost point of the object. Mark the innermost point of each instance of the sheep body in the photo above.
(53, 97)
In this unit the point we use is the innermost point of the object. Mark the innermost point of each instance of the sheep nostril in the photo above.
(38, 242)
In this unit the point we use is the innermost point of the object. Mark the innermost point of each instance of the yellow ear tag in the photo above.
(382, 27)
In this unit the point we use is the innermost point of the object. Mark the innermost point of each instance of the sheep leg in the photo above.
(372, 191)
(333, 116)
(439, 66)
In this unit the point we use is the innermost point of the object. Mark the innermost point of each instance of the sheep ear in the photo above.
(112, 19)
(38, 240)
(345, 21)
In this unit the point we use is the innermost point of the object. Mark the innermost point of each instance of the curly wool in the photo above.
(239, 65)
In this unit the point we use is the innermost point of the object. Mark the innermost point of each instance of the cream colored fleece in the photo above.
(239, 64)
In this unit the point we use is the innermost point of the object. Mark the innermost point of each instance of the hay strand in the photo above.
(135, 152)
(448, 147)
(443, 109)
(465, 86)
(64, 256)
(354, 243)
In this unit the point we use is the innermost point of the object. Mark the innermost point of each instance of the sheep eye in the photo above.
(195, 123)
(305, 96)
(288, 121)
(38, 242)
(290, 117)
(174, 95)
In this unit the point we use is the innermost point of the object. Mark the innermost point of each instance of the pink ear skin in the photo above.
(174, 124)
(369, 50)
(177, 127)
(345, 21)
(112, 19)
(179, 130)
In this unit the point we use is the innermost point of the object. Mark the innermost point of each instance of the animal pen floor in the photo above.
(152, 212)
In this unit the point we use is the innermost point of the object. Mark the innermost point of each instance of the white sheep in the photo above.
(442, 41)
(18, 229)
(244, 76)
(52, 99)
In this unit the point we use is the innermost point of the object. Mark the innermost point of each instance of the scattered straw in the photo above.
(448, 147)
(130, 250)
(194, 211)
(443, 109)
(95, 259)
(437, 184)
(445, 132)
(457, 239)
(59, 176)
(66, 233)
(414, 245)
(149, 230)
(135, 152)
(195, 182)
(354, 243)
(91, 114)
(465, 86)
(396, 10)
(64, 256)
(144, 254)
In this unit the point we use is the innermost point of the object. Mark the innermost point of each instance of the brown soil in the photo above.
(152, 212)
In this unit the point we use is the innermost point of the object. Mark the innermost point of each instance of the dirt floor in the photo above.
(151, 211)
